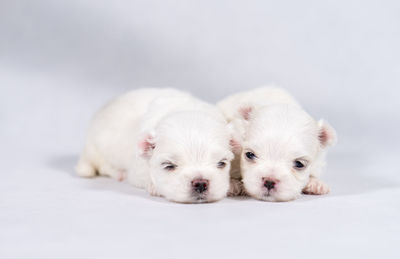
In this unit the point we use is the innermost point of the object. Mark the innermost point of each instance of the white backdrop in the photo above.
(61, 60)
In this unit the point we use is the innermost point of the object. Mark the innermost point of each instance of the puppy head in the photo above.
(280, 148)
(189, 156)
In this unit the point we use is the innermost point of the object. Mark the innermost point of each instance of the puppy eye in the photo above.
(169, 166)
(250, 155)
(221, 164)
(299, 164)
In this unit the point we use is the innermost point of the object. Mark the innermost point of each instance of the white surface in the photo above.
(60, 63)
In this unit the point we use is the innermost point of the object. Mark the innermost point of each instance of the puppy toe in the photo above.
(152, 190)
(236, 188)
(121, 175)
(316, 187)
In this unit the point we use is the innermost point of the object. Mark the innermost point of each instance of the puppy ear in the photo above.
(236, 147)
(245, 112)
(147, 144)
(235, 141)
(327, 134)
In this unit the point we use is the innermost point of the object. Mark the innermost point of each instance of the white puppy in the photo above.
(163, 140)
(282, 146)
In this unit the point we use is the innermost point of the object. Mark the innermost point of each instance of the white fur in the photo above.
(137, 132)
(272, 125)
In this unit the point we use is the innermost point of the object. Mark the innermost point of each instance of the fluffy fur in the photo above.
(163, 140)
(283, 148)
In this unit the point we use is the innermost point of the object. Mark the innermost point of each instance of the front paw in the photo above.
(316, 187)
(236, 188)
(121, 175)
(152, 190)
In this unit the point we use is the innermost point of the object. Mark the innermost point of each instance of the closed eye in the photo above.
(168, 166)
(222, 164)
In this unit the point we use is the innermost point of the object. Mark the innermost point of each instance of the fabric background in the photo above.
(61, 60)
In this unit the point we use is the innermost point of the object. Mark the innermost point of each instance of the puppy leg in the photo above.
(120, 174)
(316, 187)
(236, 188)
(85, 168)
(152, 190)
(116, 173)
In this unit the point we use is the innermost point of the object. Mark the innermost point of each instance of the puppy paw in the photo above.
(152, 190)
(316, 187)
(121, 175)
(84, 169)
(236, 188)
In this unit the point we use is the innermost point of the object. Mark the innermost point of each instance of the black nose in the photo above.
(269, 184)
(200, 185)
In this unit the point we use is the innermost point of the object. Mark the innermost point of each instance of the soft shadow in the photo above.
(347, 174)
(356, 173)
(66, 164)
(102, 183)
(240, 198)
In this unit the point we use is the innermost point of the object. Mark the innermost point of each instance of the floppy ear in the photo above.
(236, 147)
(147, 144)
(327, 134)
(245, 112)
(235, 141)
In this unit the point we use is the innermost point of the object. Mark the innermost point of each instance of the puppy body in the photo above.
(283, 148)
(163, 140)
